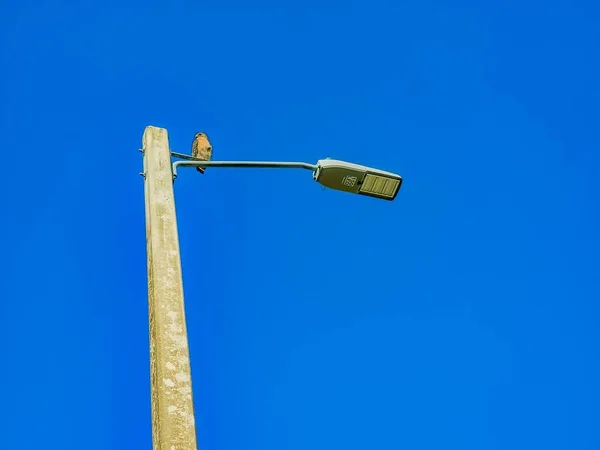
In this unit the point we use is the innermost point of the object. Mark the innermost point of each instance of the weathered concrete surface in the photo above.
(173, 425)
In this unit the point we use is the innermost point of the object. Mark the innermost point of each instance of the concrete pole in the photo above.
(173, 424)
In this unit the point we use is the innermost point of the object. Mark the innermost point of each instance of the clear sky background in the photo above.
(464, 315)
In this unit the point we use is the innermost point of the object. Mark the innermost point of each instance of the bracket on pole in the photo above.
(189, 161)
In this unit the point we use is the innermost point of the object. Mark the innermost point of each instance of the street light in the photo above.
(331, 173)
(357, 179)
(173, 422)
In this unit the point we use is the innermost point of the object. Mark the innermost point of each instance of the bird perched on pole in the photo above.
(201, 149)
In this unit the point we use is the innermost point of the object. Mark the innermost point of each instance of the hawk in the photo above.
(201, 149)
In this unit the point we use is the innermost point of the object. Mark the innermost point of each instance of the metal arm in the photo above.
(194, 162)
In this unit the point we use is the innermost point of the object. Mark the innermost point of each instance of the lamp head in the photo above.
(357, 179)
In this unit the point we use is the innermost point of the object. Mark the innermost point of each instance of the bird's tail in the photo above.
(201, 169)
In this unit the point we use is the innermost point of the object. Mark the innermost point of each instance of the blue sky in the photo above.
(463, 315)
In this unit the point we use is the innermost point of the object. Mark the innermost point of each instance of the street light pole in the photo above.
(173, 424)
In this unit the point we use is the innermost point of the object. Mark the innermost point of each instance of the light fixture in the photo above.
(331, 173)
(357, 179)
